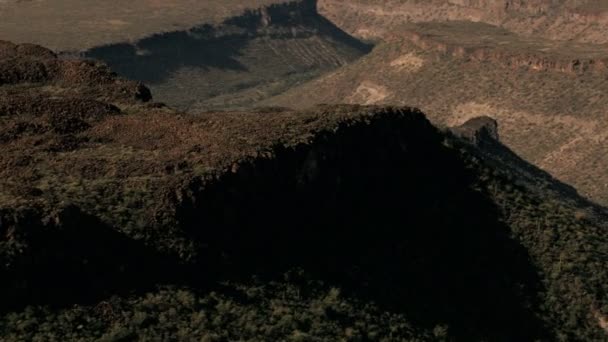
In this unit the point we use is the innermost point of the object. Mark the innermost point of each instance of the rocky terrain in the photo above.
(257, 171)
(121, 218)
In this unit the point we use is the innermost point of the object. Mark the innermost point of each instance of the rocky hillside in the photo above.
(547, 96)
(121, 219)
(237, 63)
(577, 20)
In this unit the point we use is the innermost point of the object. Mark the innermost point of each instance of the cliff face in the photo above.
(501, 47)
(285, 13)
(583, 21)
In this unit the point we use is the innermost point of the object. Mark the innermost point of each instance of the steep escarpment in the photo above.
(237, 63)
(547, 97)
(578, 20)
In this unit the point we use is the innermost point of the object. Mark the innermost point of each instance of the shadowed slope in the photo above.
(237, 63)
(365, 203)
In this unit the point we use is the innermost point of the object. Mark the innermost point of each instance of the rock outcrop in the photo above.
(478, 129)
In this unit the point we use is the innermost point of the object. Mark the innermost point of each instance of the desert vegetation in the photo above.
(256, 311)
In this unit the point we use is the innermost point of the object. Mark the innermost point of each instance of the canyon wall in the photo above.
(559, 20)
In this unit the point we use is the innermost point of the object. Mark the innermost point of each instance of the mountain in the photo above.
(121, 218)
(546, 95)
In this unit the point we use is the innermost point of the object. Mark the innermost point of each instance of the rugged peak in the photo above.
(478, 130)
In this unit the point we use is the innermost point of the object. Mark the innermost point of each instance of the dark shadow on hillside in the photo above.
(386, 213)
(154, 59)
(80, 261)
(499, 155)
(381, 209)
